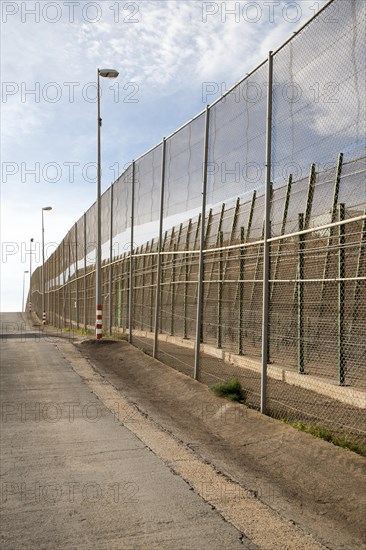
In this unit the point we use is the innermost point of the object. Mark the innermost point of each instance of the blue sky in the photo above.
(173, 57)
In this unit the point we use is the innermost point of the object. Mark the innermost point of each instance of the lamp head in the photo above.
(108, 73)
(47, 208)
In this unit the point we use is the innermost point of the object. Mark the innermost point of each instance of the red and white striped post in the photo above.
(98, 322)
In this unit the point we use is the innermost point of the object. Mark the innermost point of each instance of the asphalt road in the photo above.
(73, 477)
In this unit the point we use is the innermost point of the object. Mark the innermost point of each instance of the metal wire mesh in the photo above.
(317, 247)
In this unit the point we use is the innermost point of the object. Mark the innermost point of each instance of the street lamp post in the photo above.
(105, 73)
(47, 209)
(30, 275)
(23, 306)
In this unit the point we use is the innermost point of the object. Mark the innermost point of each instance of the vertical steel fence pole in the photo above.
(219, 292)
(130, 300)
(85, 252)
(241, 293)
(58, 287)
(266, 259)
(300, 300)
(158, 271)
(69, 284)
(110, 261)
(202, 245)
(76, 249)
(341, 293)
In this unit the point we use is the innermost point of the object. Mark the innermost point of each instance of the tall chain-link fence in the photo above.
(185, 234)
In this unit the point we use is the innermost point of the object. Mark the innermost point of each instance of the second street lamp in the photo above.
(23, 305)
(45, 208)
(105, 73)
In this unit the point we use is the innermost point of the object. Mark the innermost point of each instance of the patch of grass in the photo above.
(231, 390)
(345, 441)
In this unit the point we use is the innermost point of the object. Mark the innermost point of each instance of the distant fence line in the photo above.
(186, 277)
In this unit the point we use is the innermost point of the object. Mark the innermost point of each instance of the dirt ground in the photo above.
(283, 401)
(311, 483)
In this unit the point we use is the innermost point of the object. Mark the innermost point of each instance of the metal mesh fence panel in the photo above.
(147, 185)
(317, 246)
(318, 98)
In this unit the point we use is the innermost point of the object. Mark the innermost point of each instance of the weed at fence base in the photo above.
(231, 390)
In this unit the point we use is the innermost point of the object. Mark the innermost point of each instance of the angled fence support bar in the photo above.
(172, 289)
(266, 259)
(110, 269)
(219, 292)
(309, 206)
(309, 200)
(219, 226)
(151, 287)
(283, 227)
(160, 244)
(130, 302)
(331, 231)
(241, 294)
(185, 278)
(143, 267)
(69, 285)
(341, 298)
(361, 263)
(202, 245)
(249, 226)
(300, 300)
(85, 253)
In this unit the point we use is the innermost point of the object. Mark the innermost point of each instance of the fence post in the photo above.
(76, 275)
(159, 248)
(130, 301)
(341, 292)
(266, 235)
(58, 287)
(219, 292)
(300, 299)
(110, 261)
(202, 244)
(85, 252)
